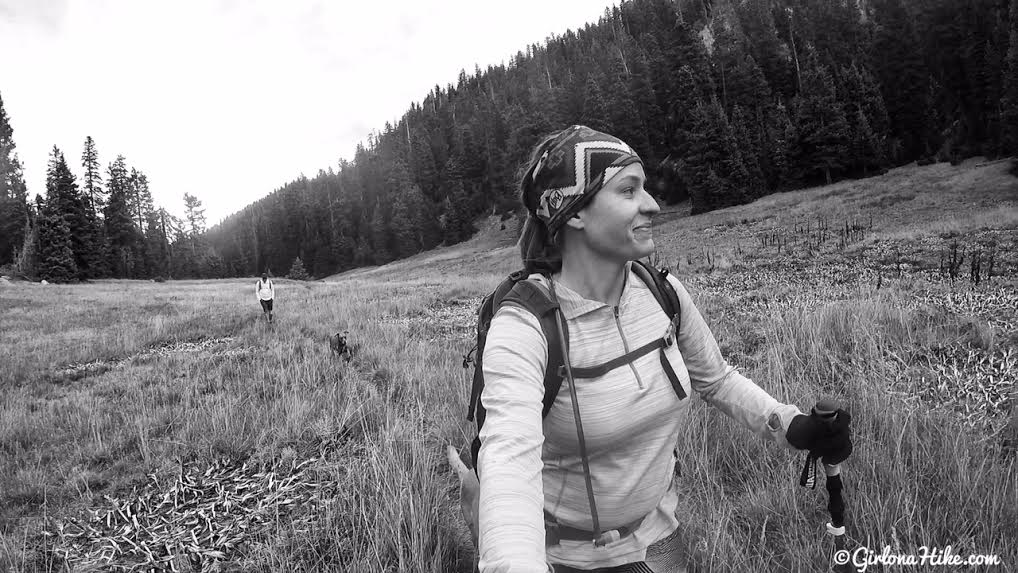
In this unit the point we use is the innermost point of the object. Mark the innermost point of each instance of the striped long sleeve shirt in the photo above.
(631, 418)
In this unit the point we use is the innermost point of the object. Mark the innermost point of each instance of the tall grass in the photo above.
(265, 393)
(916, 478)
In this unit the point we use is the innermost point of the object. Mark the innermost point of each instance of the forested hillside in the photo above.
(726, 100)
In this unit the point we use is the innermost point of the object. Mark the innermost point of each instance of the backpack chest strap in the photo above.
(659, 344)
(602, 369)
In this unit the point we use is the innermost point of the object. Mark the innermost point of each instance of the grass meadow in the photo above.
(141, 422)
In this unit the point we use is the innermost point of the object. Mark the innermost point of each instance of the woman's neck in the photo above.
(593, 278)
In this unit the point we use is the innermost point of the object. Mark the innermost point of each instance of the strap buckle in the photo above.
(669, 336)
(610, 536)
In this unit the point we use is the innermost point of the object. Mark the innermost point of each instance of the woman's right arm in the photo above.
(511, 508)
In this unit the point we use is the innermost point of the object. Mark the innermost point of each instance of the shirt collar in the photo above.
(573, 304)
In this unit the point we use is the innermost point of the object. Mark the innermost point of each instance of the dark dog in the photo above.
(339, 345)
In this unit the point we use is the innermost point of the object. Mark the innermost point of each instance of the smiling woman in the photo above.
(585, 481)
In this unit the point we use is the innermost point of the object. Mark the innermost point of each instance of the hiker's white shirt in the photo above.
(265, 291)
(630, 426)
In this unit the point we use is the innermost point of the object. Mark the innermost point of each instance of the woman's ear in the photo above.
(576, 221)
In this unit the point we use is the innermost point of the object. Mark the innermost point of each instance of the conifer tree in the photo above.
(1009, 101)
(56, 257)
(380, 234)
(92, 181)
(156, 245)
(595, 106)
(141, 198)
(13, 193)
(747, 141)
(457, 221)
(904, 80)
(623, 113)
(822, 136)
(64, 200)
(27, 263)
(642, 89)
(713, 149)
(119, 224)
(297, 271)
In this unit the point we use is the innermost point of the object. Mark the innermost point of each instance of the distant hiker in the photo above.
(582, 478)
(266, 293)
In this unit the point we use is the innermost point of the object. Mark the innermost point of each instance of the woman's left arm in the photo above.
(720, 384)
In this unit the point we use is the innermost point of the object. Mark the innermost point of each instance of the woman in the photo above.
(266, 293)
(589, 216)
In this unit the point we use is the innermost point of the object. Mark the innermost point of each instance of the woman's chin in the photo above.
(644, 248)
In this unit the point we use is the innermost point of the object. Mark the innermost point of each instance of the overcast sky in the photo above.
(231, 99)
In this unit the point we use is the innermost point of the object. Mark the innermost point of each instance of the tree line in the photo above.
(725, 100)
(105, 226)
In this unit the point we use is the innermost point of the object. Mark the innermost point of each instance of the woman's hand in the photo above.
(831, 439)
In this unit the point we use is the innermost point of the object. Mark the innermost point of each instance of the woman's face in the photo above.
(617, 222)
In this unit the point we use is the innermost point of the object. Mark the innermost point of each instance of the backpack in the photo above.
(535, 298)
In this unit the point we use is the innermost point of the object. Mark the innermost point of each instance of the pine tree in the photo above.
(864, 106)
(645, 99)
(623, 113)
(595, 105)
(92, 183)
(195, 215)
(64, 200)
(156, 245)
(56, 258)
(362, 252)
(778, 137)
(380, 235)
(141, 198)
(822, 136)
(766, 47)
(682, 109)
(406, 222)
(1009, 101)
(747, 141)
(747, 86)
(13, 193)
(865, 149)
(991, 81)
(457, 221)
(27, 263)
(297, 271)
(904, 79)
(713, 148)
(119, 224)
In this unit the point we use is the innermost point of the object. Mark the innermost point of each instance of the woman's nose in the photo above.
(649, 204)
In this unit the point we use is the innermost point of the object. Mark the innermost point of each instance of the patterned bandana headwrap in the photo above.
(568, 175)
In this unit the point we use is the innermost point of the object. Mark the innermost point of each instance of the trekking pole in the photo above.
(826, 410)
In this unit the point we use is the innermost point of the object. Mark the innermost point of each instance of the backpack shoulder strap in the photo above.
(537, 299)
(657, 281)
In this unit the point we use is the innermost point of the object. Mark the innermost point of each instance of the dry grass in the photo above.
(185, 373)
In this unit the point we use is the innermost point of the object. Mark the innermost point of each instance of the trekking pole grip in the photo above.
(827, 411)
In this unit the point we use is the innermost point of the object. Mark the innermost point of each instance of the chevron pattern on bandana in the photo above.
(574, 169)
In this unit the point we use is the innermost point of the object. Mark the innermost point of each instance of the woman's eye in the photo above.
(629, 190)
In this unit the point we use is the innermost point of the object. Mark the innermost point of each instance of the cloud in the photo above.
(46, 14)
(231, 99)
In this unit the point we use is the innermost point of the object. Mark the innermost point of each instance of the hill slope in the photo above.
(913, 209)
